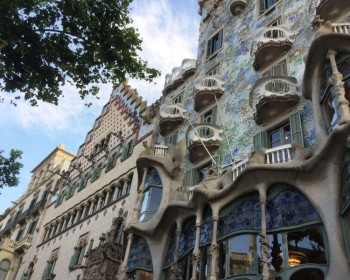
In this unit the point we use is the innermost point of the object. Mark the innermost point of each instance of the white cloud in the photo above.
(169, 35)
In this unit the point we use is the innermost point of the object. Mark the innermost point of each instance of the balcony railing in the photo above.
(280, 154)
(203, 138)
(179, 74)
(207, 89)
(343, 28)
(172, 111)
(239, 167)
(270, 43)
(24, 243)
(160, 151)
(171, 116)
(271, 96)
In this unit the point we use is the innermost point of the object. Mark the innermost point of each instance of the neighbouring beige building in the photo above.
(241, 171)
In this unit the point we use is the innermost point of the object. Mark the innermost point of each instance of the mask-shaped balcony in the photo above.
(332, 9)
(201, 139)
(169, 157)
(237, 6)
(179, 75)
(207, 89)
(171, 116)
(271, 43)
(272, 96)
(24, 243)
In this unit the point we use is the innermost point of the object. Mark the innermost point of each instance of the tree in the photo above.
(9, 168)
(46, 43)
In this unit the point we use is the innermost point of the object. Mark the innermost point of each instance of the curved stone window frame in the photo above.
(153, 194)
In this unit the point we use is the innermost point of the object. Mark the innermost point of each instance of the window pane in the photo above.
(277, 261)
(275, 139)
(155, 199)
(306, 246)
(287, 138)
(145, 201)
(242, 254)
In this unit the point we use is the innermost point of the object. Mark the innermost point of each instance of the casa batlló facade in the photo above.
(241, 171)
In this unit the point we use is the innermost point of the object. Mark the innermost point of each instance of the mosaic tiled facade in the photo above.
(240, 171)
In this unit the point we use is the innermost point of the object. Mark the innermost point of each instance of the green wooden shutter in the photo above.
(296, 128)
(47, 271)
(81, 256)
(261, 140)
(131, 147)
(190, 177)
(262, 6)
(74, 259)
(220, 38)
(123, 156)
(214, 115)
(173, 139)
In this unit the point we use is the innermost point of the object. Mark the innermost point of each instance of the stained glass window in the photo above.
(206, 233)
(188, 236)
(246, 216)
(289, 208)
(171, 250)
(140, 256)
(345, 185)
(153, 179)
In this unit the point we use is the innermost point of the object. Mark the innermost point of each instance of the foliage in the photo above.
(9, 168)
(46, 43)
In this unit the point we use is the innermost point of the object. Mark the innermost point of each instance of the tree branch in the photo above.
(59, 31)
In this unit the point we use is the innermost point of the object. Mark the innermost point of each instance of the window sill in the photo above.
(213, 55)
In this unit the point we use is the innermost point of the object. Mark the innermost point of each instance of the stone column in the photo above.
(214, 248)
(60, 225)
(264, 242)
(339, 96)
(85, 210)
(196, 251)
(99, 200)
(92, 205)
(126, 181)
(47, 230)
(140, 196)
(108, 193)
(50, 232)
(69, 220)
(124, 266)
(173, 268)
(78, 213)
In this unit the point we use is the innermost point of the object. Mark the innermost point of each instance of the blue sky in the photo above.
(169, 29)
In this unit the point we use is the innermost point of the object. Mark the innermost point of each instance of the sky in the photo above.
(169, 29)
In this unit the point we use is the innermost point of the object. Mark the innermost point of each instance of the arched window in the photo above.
(140, 260)
(4, 268)
(152, 195)
(118, 235)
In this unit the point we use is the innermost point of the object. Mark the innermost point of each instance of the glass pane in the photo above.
(276, 262)
(145, 201)
(5, 265)
(306, 246)
(275, 139)
(287, 138)
(330, 112)
(145, 275)
(155, 199)
(242, 254)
